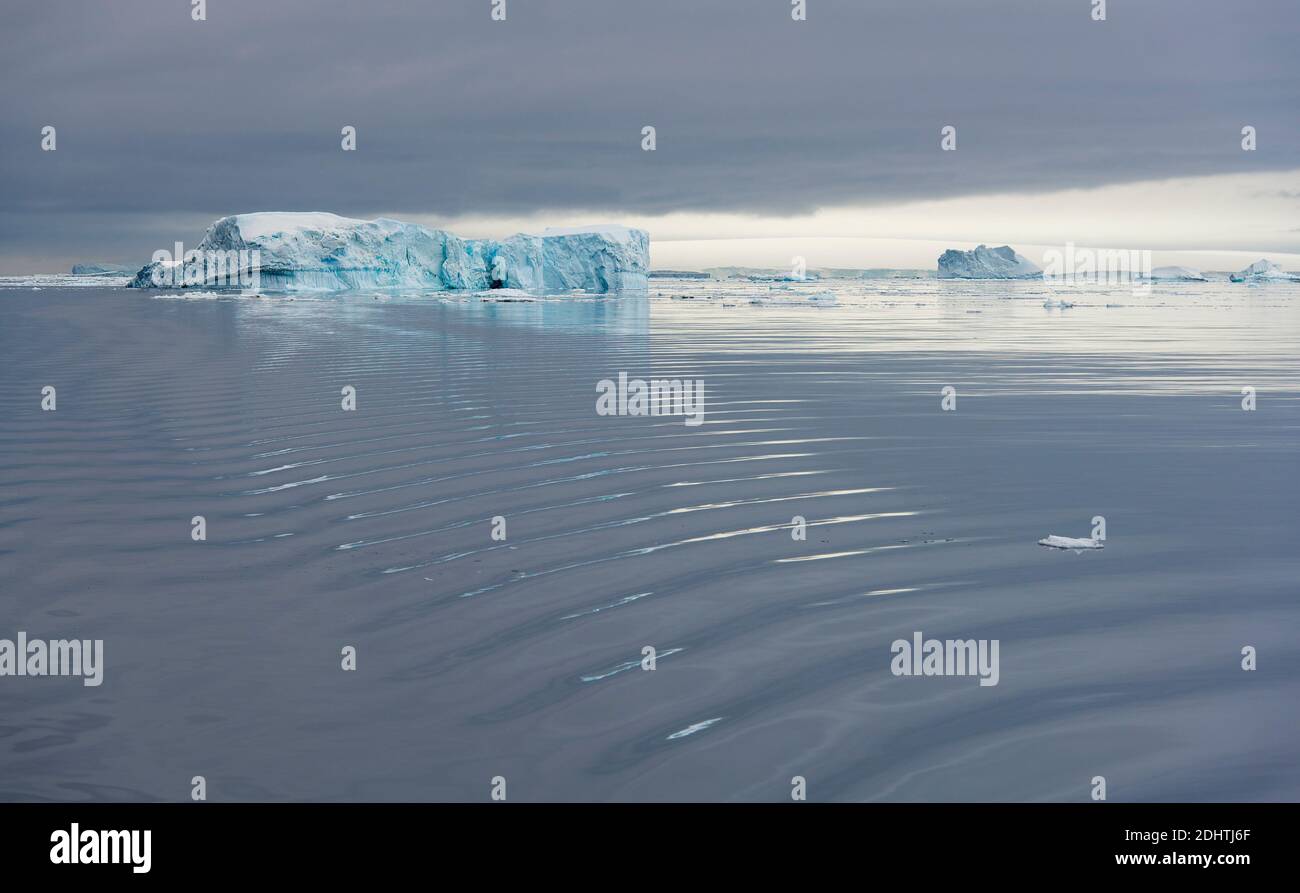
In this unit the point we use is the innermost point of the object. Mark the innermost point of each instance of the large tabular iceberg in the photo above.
(1264, 270)
(320, 251)
(986, 263)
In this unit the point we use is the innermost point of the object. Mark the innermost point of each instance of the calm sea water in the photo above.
(521, 658)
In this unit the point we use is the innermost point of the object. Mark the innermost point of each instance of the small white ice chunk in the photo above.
(1069, 542)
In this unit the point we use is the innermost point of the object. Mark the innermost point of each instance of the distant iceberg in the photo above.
(761, 274)
(1264, 270)
(322, 251)
(101, 270)
(987, 263)
(678, 274)
(1178, 274)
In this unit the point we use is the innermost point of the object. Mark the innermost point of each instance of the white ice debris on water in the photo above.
(1069, 542)
(322, 251)
(693, 728)
(64, 280)
(987, 263)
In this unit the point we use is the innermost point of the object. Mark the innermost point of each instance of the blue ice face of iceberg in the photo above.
(319, 251)
(986, 263)
(599, 260)
(517, 263)
(464, 264)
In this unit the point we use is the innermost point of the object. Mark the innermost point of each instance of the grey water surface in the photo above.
(479, 658)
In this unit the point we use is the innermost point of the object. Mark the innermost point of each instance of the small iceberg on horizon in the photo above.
(1264, 270)
(1177, 274)
(102, 270)
(984, 262)
(679, 274)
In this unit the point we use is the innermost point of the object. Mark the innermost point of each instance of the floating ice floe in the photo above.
(1069, 542)
(325, 252)
(693, 728)
(62, 280)
(784, 296)
(205, 295)
(505, 294)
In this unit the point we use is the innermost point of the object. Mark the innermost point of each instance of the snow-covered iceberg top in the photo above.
(322, 251)
(1264, 270)
(1178, 274)
(987, 263)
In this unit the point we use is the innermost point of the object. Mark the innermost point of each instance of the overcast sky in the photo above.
(165, 123)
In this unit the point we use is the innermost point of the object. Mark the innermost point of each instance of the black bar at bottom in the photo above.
(651, 843)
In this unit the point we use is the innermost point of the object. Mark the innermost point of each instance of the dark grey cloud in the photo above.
(162, 120)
